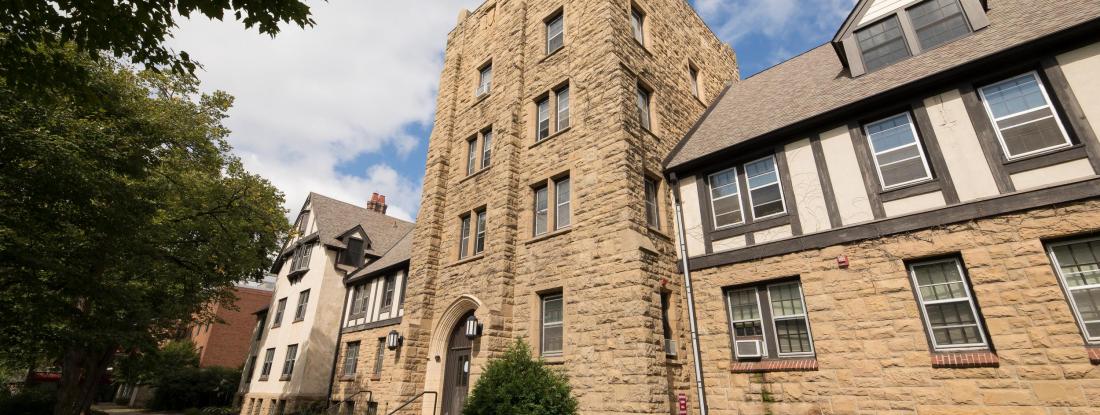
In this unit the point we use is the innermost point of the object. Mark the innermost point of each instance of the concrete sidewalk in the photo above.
(119, 409)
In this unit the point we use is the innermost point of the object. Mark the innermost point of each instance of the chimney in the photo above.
(377, 203)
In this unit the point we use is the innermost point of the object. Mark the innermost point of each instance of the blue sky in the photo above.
(345, 108)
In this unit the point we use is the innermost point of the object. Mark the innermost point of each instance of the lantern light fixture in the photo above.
(473, 328)
(394, 340)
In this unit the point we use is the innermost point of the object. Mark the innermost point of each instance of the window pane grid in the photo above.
(552, 325)
(643, 107)
(898, 155)
(561, 200)
(471, 156)
(938, 21)
(464, 237)
(882, 44)
(725, 196)
(948, 307)
(541, 210)
(765, 194)
(479, 241)
(563, 108)
(555, 34)
(651, 212)
(792, 332)
(1078, 266)
(544, 119)
(486, 148)
(1023, 117)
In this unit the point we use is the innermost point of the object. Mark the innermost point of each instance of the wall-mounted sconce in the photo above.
(394, 340)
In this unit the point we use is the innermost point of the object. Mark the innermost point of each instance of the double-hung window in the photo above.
(544, 119)
(464, 237)
(765, 193)
(651, 207)
(288, 364)
(351, 359)
(561, 203)
(541, 210)
(882, 43)
(1078, 266)
(486, 147)
(555, 33)
(769, 321)
(269, 358)
(300, 261)
(250, 368)
(725, 198)
(479, 235)
(562, 96)
(279, 309)
(637, 25)
(379, 357)
(358, 301)
(898, 155)
(643, 102)
(303, 302)
(485, 80)
(949, 310)
(1023, 117)
(937, 22)
(471, 156)
(544, 124)
(389, 284)
(551, 321)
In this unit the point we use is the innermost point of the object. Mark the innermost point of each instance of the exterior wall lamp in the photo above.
(473, 328)
(394, 340)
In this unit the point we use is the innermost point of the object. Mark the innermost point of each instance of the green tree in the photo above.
(134, 30)
(148, 366)
(517, 384)
(122, 217)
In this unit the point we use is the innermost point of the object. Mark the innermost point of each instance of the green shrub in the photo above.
(191, 387)
(29, 400)
(517, 384)
(192, 411)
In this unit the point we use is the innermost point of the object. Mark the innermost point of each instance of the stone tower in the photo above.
(545, 233)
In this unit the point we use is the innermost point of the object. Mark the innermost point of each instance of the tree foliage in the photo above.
(148, 366)
(134, 30)
(517, 384)
(122, 217)
(193, 387)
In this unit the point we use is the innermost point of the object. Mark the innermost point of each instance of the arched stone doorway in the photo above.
(456, 368)
(451, 319)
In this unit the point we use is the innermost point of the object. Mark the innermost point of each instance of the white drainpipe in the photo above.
(699, 385)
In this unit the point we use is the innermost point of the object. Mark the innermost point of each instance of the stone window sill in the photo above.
(555, 134)
(467, 259)
(658, 233)
(965, 360)
(777, 365)
(1094, 354)
(479, 98)
(263, 378)
(554, 359)
(376, 377)
(549, 235)
(347, 378)
(548, 55)
(284, 377)
(475, 174)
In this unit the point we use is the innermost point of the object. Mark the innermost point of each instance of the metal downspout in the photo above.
(680, 239)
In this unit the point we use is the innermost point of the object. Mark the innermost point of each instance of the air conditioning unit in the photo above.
(671, 347)
(748, 349)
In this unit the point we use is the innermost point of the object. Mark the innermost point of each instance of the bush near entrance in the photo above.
(517, 384)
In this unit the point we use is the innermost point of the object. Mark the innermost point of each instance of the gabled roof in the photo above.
(817, 83)
(336, 218)
(400, 253)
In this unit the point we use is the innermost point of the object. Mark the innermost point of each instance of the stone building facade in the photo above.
(542, 234)
(916, 229)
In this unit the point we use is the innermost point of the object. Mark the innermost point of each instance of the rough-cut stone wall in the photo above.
(364, 385)
(872, 352)
(610, 267)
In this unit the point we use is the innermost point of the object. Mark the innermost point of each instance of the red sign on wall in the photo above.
(683, 400)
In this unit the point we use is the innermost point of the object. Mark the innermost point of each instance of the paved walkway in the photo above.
(118, 409)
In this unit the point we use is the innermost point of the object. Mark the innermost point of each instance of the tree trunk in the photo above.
(81, 370)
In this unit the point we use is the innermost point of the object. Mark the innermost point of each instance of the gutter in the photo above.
(700, 386)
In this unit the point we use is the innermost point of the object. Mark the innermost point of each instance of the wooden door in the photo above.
(456, 370)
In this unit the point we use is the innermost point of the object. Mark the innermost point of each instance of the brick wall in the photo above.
(871, 347)
(227, 342)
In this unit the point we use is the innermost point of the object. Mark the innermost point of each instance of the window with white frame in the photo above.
(773, 315)
(269, 358)
(947, 305)
(1023, 117)
(725, 198)
(643, 101)
(485, 79)
(351, 359)
(389, 285)
(464, 237)
(471, 156)
(552, 325)
(541, 210)
(1078, 266)
(303, 302)
(555, 33)
(479, 235)
(562, 198)
(765, 193)
(552, 112)
(652, 217)
(486, 147)
(562, 96)
(898, 155)
(882, 43)
(937, 22)
(543, 119)
(280, 308)
(288, 364)
(637, 24)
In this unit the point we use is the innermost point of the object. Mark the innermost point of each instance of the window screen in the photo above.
(1024, 119)
(899, 157)
(882, 44)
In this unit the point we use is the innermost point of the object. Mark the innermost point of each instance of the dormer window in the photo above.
(301, 258)
(882, 44)
(353, 255)
(303, 222)
(937, 22)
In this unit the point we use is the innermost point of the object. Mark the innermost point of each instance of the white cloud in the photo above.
(311, 99)
(776, 19)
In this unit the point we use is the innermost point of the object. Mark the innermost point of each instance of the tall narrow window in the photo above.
(1023, 117)
(303, 222)
(464, 237)
(485, 80)
(562, 96)
(725, 198)
(288, 364)
(651, 213)
(544, 119)
(303, 302)
(637, 25)
(479, 235)
(950, 314)
(555, 33)
(882, 43)
(666, 326)
(358, 301)
(643, 106)
(899, 157)
(279, 309)
(388, 287)
(250, 368)
(765, 194)
(1078, 266)
(471, 156)
(937, 22)
(269, 357)
(541, 209)
(561, 203)
(693, 80)
(769, 321)
(351, 359)
(379, 357)
(551, 344)
(486, 148)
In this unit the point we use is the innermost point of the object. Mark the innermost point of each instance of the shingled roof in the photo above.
(817, 83)
(335, 218)
(401, 252)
